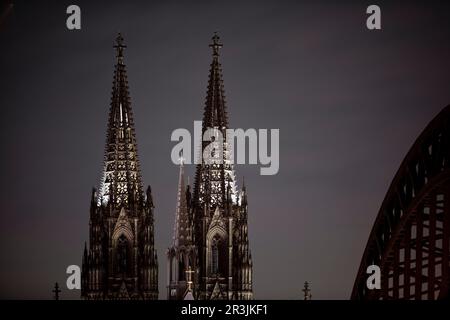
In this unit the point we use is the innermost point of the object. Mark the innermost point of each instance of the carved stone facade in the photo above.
(121, 261)
(210, 256)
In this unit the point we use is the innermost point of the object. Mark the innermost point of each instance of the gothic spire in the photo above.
(215, 114)
(121, 220)
(217, 252)
(121, 165)
(181, 226)
(211, 180)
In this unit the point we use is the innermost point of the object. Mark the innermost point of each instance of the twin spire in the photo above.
(121, 181)
(210, 232)
(212, 181)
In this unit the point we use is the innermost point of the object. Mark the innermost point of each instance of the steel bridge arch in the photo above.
(409, 240)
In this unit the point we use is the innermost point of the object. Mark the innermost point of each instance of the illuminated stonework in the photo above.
(211, 234)
(121, 261)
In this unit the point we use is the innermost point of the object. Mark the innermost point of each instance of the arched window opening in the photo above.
(181, 270)
(122, 254)
(215, 255)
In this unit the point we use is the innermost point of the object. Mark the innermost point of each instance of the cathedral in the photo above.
(121, 261)
(210, 256)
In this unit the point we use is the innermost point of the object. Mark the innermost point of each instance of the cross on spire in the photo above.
(307, 291)
(189, 281)
(119, 47)
(56, 291)
(215, 45)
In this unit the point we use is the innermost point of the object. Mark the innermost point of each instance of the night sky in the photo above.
(349, 103)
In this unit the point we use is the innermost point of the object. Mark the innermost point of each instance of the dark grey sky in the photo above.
(348, 102)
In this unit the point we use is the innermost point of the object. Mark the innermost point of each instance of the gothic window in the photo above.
(122, 254)
(215, 255)
(181, 270)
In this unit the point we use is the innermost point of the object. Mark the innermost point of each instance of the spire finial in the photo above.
(307, 291)
(215, 45)
(56, 291)
(119, 47)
